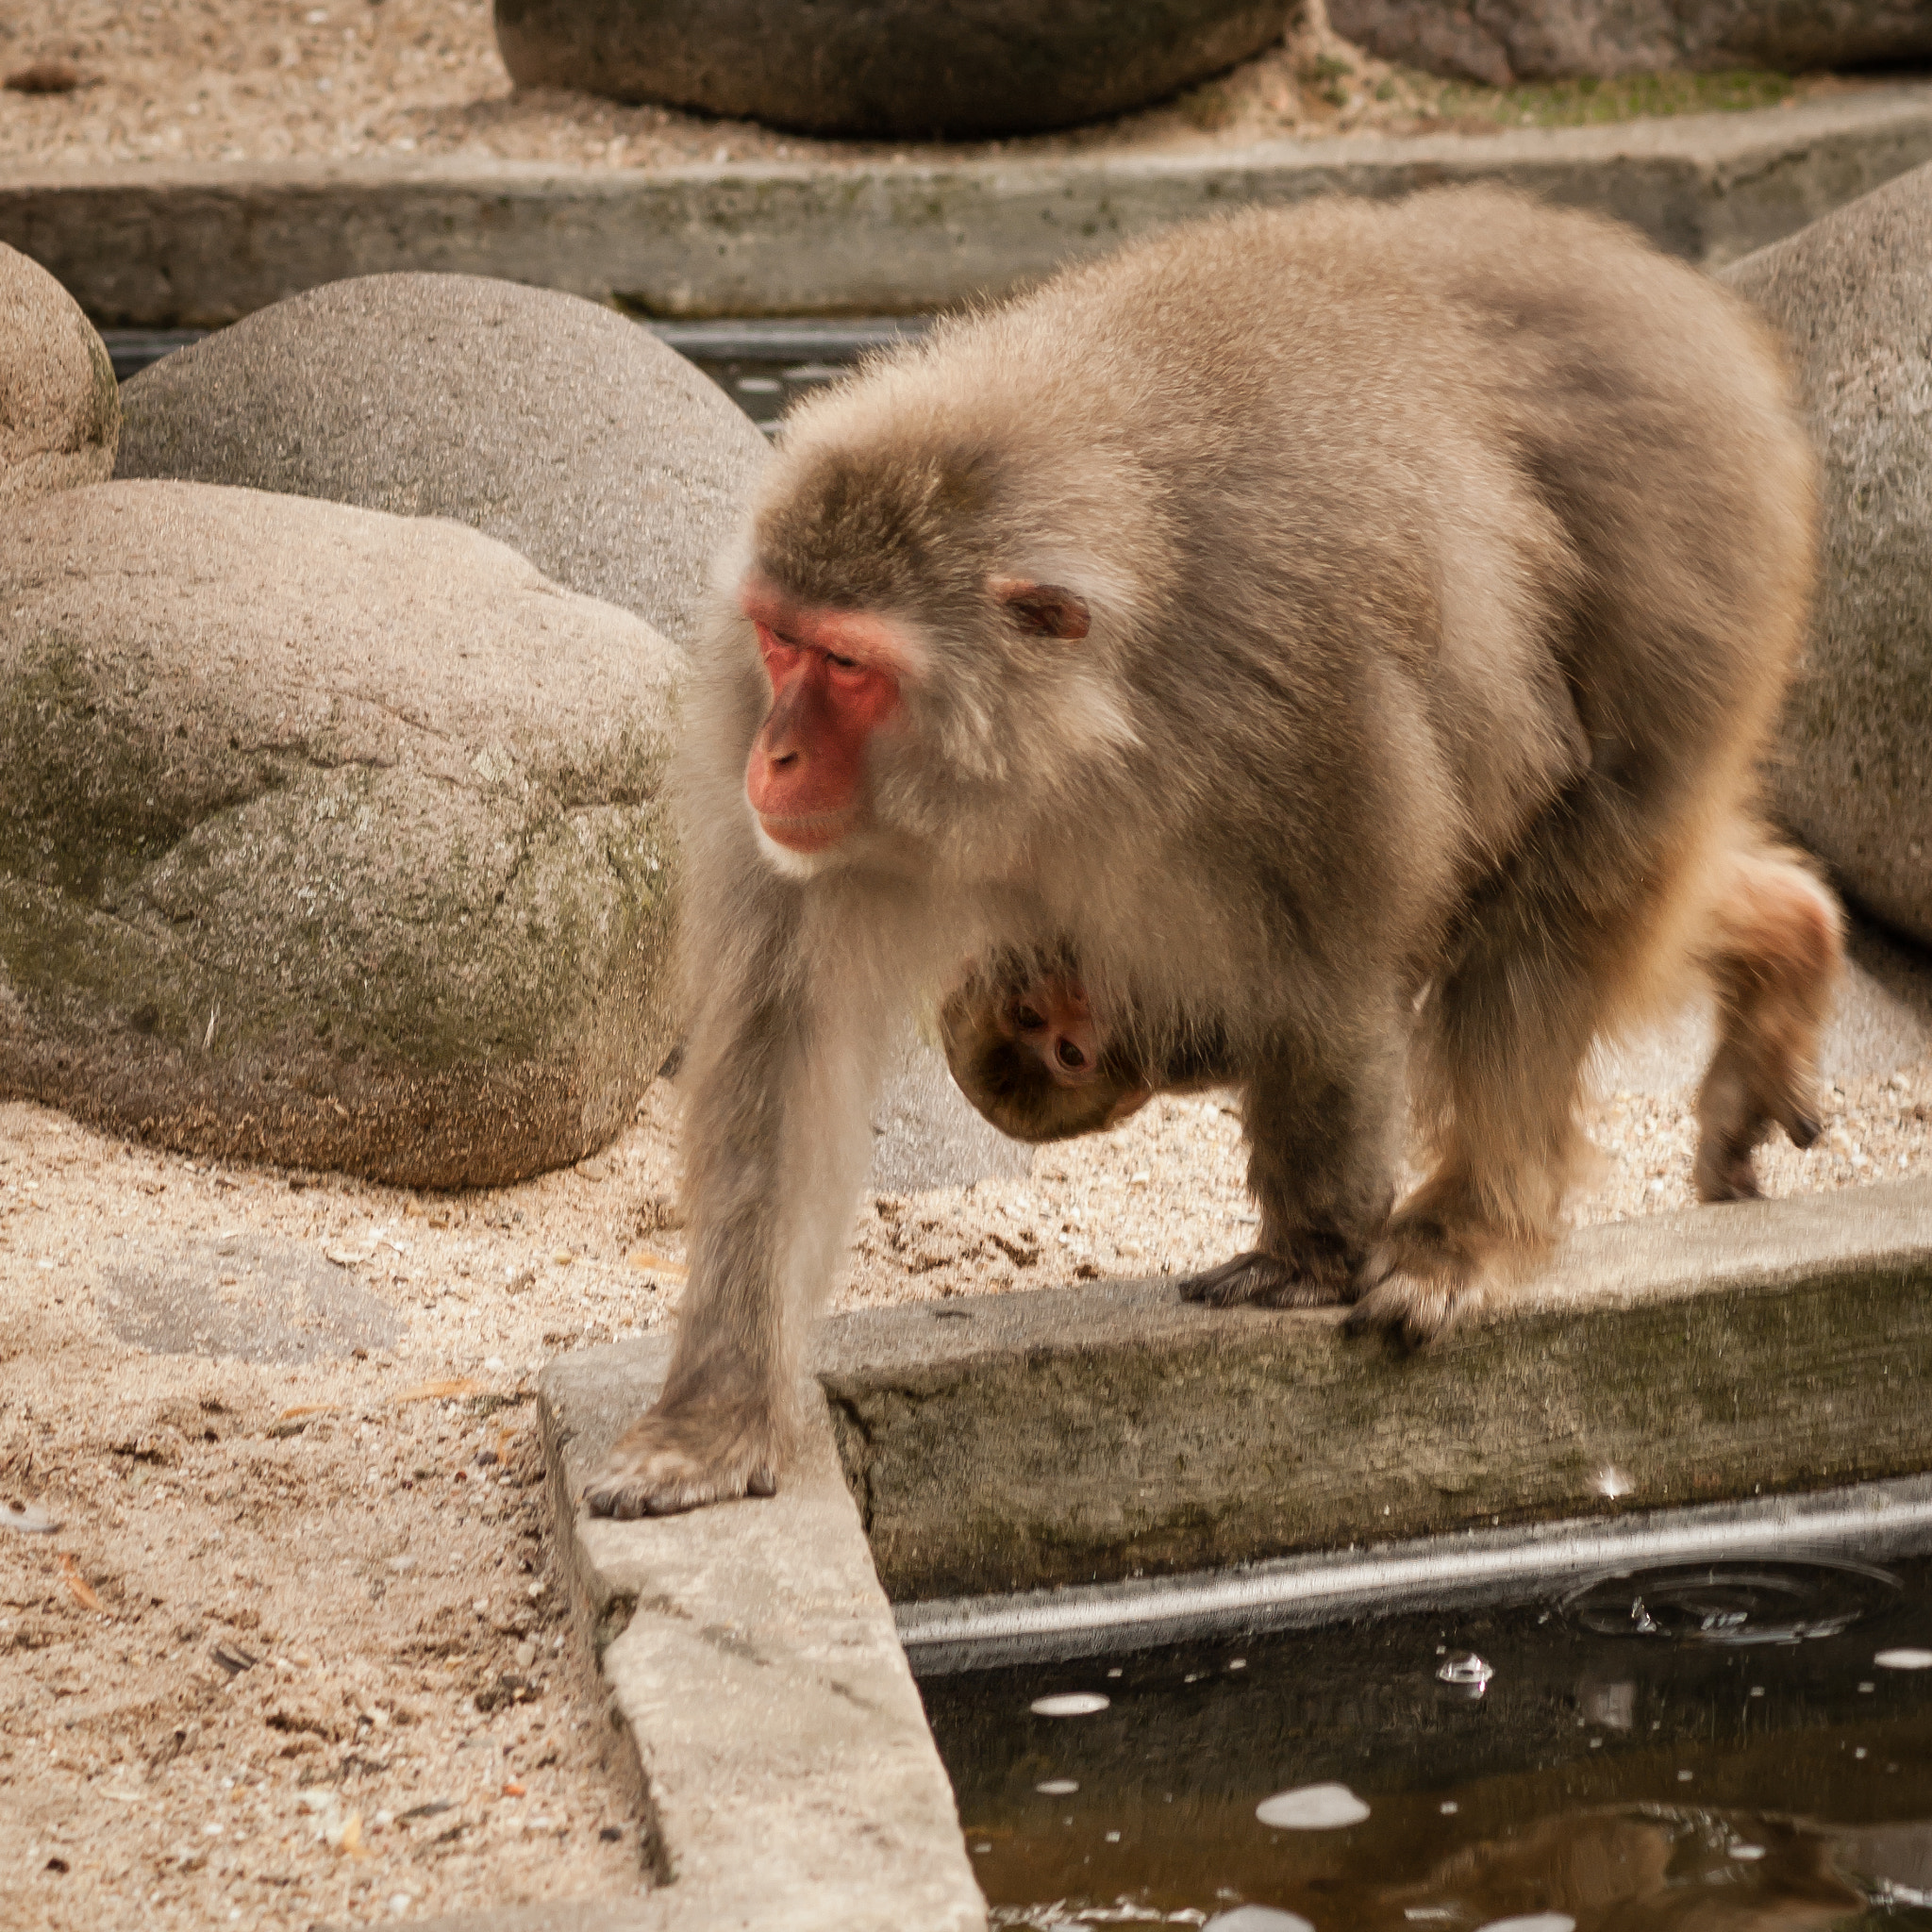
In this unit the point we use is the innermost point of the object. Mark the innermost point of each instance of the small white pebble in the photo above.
(1312, 1807)
(1069, 1704)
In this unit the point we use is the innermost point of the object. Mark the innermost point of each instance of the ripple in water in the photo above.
(1734, 1602)
(1312, 1807)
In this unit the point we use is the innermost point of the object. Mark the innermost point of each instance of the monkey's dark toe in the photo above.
(1803, 1129)
(1258, 1280)
(1725, 1172)
(1408, 1313)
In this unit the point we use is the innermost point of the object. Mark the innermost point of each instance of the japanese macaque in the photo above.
(1338, 643)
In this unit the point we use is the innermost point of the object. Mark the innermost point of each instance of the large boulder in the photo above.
(887, 67)
(1499, 42)
(560, 427)
(59, 410)
(1853, 296)
(326, 837)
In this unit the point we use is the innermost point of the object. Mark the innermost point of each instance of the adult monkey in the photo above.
(1348, 634)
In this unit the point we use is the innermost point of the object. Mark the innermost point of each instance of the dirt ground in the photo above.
(296, 1653)
(251, 80)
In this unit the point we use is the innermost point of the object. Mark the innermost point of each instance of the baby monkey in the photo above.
(1027, 1051)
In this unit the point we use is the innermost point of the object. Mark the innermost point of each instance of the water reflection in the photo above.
(1681, 1782)
(1650, 1869)
(1601, 1869)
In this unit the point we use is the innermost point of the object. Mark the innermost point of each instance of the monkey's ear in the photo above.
(1049, 610)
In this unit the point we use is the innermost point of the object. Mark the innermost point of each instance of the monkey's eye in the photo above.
(779, 653)
(1028, 1021)
(843, 663)
(1069, 1056)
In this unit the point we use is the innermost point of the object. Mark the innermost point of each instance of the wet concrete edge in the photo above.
(199, 245)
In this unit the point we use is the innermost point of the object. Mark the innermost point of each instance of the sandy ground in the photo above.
(296, 1653)
(249, 80)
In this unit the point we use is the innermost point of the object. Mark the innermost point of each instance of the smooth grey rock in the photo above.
(1498, 41)
(59, 410)
(555, 425)
(916, 68)
(790, 1781)
(925, 1133)
(326, 837)
(1852, 294)
(253, 1296)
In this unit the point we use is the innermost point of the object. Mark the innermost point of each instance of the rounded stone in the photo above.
(1852, 778)
(917, 69)
(1500, 42)
(561, 428)
(327, 838)
(59, 410)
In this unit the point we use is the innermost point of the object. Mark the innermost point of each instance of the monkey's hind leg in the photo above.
(1775, 953)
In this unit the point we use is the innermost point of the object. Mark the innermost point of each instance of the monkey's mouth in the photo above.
(812, 832)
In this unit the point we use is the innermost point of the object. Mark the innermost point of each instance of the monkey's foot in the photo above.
(670, 1461)
(1723, 1170)
(1416, 1286)
(1733, 1120)
(1259, 1280)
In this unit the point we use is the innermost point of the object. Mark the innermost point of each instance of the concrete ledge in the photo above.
(155, 247)
(789, 1776)
(1089, 1435)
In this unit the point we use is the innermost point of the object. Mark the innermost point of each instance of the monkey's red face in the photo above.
(839, 677)
(834, 679)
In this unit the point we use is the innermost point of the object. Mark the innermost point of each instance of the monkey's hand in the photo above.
(682, 1457)
(1310, 1272)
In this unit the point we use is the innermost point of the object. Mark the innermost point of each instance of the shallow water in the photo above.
(1706, 1747)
